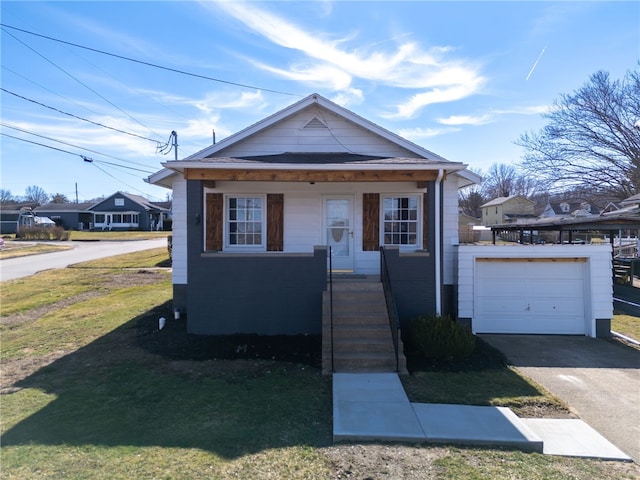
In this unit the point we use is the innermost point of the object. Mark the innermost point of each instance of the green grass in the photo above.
(114, 236)
(52, 286)
(107, 408)
(627, 325)
(155, 257)
(490, 387)
(16, 249)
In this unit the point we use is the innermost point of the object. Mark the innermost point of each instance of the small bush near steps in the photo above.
(439, 338)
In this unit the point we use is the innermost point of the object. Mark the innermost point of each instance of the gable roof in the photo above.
(311, 100)
(633, 200)
(501, 200)
(423, 160)
(140, 200)
(64, 207)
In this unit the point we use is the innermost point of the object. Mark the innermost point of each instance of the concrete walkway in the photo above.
(375, 407)
(599, 379)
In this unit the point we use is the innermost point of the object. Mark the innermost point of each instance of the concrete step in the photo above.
(363, 362)
(357, 331)
(364, 345)
(349, 286)
(354, 318)
(379, 308)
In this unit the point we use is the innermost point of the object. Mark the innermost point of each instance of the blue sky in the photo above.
(462, 79)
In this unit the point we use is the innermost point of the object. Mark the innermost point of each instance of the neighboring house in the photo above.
(512, 209)
(574, 209)
(256, 216)
(13, 216)
(9, 216)
(70, 216)
(124, 211)
(633, 201)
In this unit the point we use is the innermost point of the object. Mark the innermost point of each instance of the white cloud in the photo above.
(415, 134)
(466, 120)
(531, 110)
(321, 75)
(349, 97)
(442, 94)
(406, 66)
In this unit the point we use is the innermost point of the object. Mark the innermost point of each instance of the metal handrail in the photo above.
(331, 303)
(392, 310)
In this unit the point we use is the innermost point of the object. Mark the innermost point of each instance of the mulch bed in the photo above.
(175, 343)
(483, 357)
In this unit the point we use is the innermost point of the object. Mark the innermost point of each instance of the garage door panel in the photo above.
(536, 297)
(539, 288)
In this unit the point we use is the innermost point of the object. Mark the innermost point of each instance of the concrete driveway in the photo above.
(599, 379)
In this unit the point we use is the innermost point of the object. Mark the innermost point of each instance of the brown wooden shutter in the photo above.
(275, 222)
(214, 214)
(425, 221)
(370, 222)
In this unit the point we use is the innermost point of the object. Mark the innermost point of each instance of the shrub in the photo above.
(42, 233)
(439, 337)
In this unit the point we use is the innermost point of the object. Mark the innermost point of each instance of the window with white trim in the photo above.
(400, 220)
(119, 202)
(245, 221)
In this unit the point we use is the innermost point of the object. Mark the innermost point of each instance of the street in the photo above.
(18, 267)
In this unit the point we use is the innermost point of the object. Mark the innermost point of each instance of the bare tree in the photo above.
(59, 198)
(504, 180)
(6, 197)
(591, 140)
(35, 194)
(499, 181)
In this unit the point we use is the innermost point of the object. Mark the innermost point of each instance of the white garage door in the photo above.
(538, 296)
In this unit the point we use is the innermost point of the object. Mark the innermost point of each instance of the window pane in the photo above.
(400, 220)
(245, 220)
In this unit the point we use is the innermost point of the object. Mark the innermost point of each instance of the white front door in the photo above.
(338, 226)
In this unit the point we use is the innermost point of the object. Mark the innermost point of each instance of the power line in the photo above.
(81, 83)
(174, 70)
(86, 159)
(40, 144)
(76, 146)
(79, 118)
(119, 180)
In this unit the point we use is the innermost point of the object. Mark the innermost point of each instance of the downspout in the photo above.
(438, 243)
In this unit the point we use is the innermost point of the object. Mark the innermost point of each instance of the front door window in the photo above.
(339, 231)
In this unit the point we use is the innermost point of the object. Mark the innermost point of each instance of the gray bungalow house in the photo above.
(257, 215)
(124, 211)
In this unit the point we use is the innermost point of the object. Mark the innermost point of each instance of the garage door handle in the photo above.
(528, 307)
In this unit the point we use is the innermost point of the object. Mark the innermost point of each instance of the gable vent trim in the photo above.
(315, 122)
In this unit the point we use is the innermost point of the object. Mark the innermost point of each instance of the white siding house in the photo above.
(312, 175)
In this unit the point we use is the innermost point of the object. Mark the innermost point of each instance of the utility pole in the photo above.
(76, 192)
(174, 134)
(171, 143)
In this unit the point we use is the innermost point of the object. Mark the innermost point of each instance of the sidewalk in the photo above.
(375, 407)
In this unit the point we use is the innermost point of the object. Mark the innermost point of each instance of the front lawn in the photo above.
(627, 325)
(92, 389)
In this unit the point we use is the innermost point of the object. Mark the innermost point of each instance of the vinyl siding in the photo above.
(303, 212)
(291, 136)
(179, 206)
